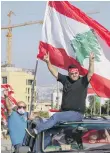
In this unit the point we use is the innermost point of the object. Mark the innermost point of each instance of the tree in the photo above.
(97, 105)
(91, 103)
(106, 107)
(88, 111)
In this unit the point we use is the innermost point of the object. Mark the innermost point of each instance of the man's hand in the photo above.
(91, 57)
(46, 58)
(50, 66)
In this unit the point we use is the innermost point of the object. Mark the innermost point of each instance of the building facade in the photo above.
(21, 82)
(43, 106)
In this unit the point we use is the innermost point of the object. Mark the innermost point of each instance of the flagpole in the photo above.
(57, 95)
(33, 85)
(100, 108)
(57, 106)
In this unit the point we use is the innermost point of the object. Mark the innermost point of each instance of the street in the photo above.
(5, 146)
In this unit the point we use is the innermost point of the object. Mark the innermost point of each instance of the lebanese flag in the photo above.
(3, 102)
(10, 95)
(3, 116)
(90, 91)
(69, 36)
(8, 87)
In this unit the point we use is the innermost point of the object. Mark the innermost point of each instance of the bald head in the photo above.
(21, 103)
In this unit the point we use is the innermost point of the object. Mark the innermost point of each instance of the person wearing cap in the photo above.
(73, 98)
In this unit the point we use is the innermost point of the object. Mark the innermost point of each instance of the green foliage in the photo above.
(94, 105)
(106, 107)
(91, 101)
(97, 108)
(88, 111)
(44, 114)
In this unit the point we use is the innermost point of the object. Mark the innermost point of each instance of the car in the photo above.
(91, 135)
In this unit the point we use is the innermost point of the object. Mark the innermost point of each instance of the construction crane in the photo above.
(9, 36)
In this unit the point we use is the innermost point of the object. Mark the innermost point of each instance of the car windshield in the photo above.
(77, 136)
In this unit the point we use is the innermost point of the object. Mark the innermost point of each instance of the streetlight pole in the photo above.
(57, 95)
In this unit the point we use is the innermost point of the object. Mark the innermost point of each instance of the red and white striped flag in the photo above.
(10, 93)
(69, 36)
(3, 102)
(3, 116)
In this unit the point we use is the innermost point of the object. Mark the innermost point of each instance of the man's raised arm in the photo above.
(50, 66)
(91, 66)
(8, 104)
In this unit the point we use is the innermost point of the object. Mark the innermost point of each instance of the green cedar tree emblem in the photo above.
(85, 43)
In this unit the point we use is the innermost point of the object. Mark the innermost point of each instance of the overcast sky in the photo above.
(26, 39)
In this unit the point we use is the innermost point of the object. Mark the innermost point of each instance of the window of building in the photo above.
(28, 90)
(4, 80)
(28, 99)
(29, 82)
